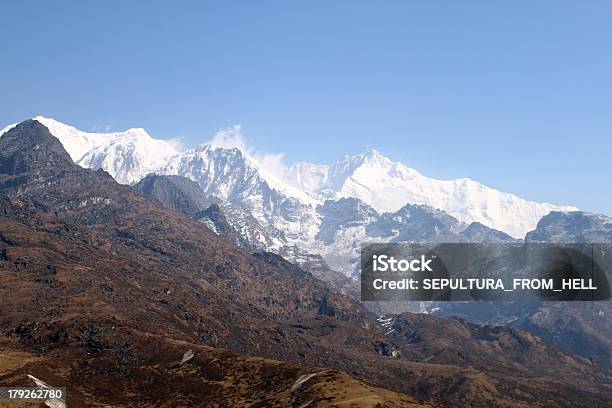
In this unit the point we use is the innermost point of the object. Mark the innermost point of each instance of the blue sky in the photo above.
(517, 95)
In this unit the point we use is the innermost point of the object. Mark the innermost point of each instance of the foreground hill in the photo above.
(104, 290)
(181, 374)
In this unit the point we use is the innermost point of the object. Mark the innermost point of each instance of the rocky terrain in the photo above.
(106, 291)
(239, 227)
(175, 192)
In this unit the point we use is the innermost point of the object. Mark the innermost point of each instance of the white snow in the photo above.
(301, 380)
(307, 176)
(129, 156)
(387, 186)
(51, 402)
(189, 354)
(76, 142)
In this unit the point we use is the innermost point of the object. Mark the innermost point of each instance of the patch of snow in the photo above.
(189, 354)
(52, 402)
(301, 380)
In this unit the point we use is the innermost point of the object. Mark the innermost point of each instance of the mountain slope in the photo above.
(234, 177)
(210, 378)
(178, 193)
(239, 227)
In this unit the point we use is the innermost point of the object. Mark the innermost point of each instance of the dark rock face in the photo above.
(175, 192)
(415, 223)
(30, 148)
(214, 214)
(584, 328)
(214, 218)
(477, 232)
(186, 196)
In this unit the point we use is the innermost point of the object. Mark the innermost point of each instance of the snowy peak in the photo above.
(221, 172)
(373, 158)
(320, 178)
(230, 174)
(75, 142)
(387, 186)
(128, 156)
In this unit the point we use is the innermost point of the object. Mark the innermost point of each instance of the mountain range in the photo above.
(130, 303)
(320, 209)
(379, 182)
(258, 211)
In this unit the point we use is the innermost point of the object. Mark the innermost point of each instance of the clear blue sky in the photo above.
(515, 94)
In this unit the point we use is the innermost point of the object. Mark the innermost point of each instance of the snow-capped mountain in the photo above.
(128, 156)
(289, 201)
(387, 186)
(235, 177)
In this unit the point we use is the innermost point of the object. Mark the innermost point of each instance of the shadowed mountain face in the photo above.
(418, 223)
(106, 291)
(29, 148)
(175, 192)
(214, 218)
(186, 196)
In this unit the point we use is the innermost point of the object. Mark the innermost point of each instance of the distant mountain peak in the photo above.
(387, 186)
(127, 155)
(373, 156)
(230, 172)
